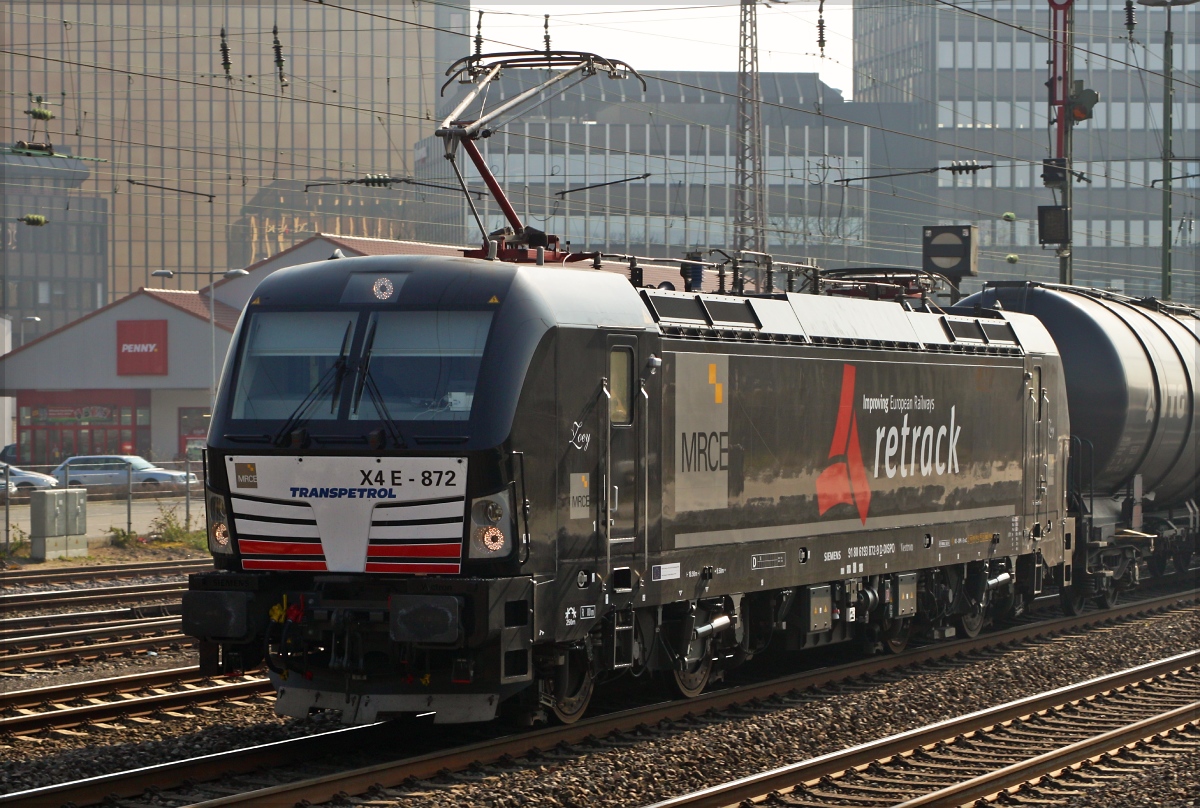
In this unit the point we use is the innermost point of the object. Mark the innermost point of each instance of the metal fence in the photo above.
(109, 479)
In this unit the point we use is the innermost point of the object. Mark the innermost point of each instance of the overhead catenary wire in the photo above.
(344, 106)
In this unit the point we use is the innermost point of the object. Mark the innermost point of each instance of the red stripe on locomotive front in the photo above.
(449, 569)
(254, 547)
(414, 551)
(271, 564)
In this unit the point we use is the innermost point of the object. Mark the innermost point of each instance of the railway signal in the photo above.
(1054, 172)
(951, 250)
(1082, 103)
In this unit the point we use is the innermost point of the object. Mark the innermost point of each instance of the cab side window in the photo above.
(620, 386)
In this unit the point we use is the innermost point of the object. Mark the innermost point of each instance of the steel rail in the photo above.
(78, 654)
(97, 595)
(1047, 764)
(86, 632)
(64, 717)
(209, 767)
(136, 568)
(32, 697)
(132, 783)
(784, 777)
(15, 628)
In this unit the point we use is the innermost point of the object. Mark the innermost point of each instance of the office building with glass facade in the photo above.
(204, 170)
(53, 241)
(977, 77)
(664, 159)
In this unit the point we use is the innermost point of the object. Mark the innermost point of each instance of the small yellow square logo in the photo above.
(245, 475)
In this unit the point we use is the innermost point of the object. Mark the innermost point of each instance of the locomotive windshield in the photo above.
(359, 366)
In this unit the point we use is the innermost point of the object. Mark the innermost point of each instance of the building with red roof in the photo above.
(138, 376)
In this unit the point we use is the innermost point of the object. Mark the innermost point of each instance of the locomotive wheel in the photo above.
(691, 682)
(573, 687)
(1107, 594)
(1157, 563)
(1182, 559)
(897, 634)
(1073, 599)
(971, 623)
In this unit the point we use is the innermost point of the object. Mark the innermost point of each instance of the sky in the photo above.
(683, 36)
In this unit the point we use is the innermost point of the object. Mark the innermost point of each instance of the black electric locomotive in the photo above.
(459, 486)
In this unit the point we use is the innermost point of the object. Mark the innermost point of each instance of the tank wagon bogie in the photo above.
(471, 488)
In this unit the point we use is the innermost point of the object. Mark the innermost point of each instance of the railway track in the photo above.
(96, 596)
(15, 627)
(987, 753)
(26, 576)
(87, 644)
(119, 698)
(243, 778)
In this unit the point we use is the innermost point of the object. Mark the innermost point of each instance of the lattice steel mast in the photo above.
(749, 200)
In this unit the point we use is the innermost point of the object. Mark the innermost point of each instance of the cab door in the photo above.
(1037, 471)
(623, 506)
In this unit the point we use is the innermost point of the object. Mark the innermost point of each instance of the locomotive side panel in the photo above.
(820, 465)
(606, 470)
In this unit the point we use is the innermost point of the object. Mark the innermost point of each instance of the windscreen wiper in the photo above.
(367, 381)
(334, 375)
(340, 364)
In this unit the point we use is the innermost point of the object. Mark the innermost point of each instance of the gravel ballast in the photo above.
(1174, 784)
(681, 758)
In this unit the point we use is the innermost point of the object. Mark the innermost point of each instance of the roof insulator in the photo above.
(226, 63)
(279, 60)
(37, 111)
(821, 27)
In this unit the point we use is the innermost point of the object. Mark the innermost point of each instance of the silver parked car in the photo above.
(25, 480)
(114, 470)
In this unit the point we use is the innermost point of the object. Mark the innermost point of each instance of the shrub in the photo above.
(121, 537)
(18, 542)
(169, 529)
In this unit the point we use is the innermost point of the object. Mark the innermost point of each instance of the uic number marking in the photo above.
(429, 478)
(375, 477)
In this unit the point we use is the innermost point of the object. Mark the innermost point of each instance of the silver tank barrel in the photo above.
(1131, 371)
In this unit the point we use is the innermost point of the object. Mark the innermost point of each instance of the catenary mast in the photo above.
(749, 200)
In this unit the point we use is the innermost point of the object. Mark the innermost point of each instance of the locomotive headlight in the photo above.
(491, 526)
(492, 538)
(218, 526)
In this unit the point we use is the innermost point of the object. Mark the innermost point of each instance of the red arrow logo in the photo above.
(845, 481)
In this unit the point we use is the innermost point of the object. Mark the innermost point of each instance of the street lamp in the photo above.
(212, 314)
(30, 319)
(1168, 101)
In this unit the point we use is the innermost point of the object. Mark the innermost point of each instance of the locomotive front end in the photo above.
(363, 511)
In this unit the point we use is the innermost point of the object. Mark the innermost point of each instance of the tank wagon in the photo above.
(1131, 371)
(467, 487)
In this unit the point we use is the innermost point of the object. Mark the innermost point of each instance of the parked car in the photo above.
(9, 453)
(25, 480)
(113, 470)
